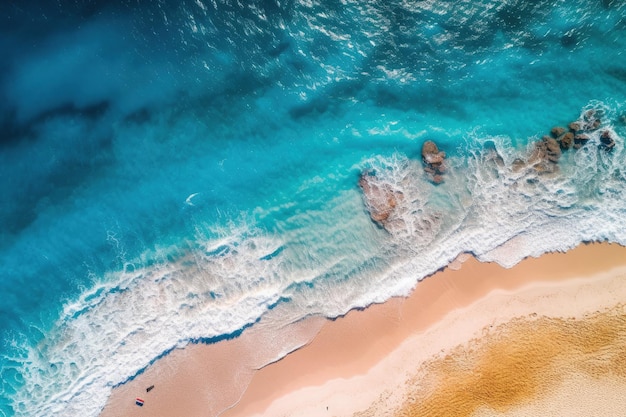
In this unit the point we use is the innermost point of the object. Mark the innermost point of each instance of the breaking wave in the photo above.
(327, 261)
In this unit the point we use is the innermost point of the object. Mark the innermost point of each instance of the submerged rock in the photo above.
(553, 150)
(566, 140)
(557, 131)
(518, 164)
(429, 148)
(592, 120)
(545, 167)
(580, 130)
(580, 140)
(433, 160)
(606, 141)
(574, 127)
(548, 148)
(380, 198)
(545, 155)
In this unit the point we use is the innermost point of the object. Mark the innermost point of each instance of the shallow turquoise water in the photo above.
(170, 172)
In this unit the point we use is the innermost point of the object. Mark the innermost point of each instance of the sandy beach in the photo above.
(479, 340)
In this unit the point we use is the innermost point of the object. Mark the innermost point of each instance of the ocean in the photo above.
(171, 171)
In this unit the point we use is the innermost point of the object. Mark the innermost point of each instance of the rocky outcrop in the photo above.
(552, 149)
(580, 140)
(566, 140)
(396, 213)
(557, 131)
(433, 160)
(591, 120)
(518, 165)
(579, 132)
(564, 137)
(574, 127)
(545, 155)
(606, 141)
(380, 198)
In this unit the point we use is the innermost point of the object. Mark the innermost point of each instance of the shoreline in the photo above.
(351, 356)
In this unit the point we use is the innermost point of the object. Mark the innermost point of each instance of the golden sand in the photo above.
(517, 362)
(545, 338)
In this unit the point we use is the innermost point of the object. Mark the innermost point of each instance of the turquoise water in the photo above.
(172, 171)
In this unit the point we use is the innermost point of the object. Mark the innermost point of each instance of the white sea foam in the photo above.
(504, 214)
(213, 289)
(120, 326)
(326, 261)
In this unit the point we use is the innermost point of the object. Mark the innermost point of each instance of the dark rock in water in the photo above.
(592, 120)
(553, 149)
(566, 140)
(380, 198)
(545, 155)
(580, 140)
(429, 148)
(433, 160)
(592, 125)
(557, 131)
(606, 141)
(574, 127)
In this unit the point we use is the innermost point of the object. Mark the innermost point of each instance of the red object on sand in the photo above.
(139, 402)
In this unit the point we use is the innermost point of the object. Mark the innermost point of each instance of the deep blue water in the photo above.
(170, 171)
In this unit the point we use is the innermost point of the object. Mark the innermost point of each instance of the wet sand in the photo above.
(392, 358)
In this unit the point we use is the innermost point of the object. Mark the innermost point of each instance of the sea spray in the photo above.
(501, 200)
